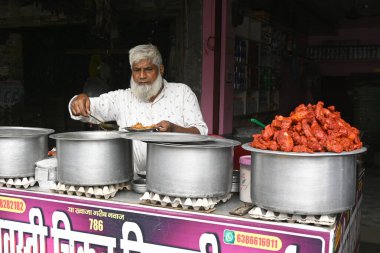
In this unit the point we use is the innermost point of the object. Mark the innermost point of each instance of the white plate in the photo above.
(165, 137)
(132, 129)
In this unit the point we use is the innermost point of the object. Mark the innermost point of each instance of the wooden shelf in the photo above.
(344, 52)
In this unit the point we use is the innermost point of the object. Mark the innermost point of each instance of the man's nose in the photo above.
(142, 74)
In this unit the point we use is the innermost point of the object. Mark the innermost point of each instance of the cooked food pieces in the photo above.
(52, 152)
(138, 125)
(310, 128)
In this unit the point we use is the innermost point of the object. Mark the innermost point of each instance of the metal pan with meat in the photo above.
(305, 163)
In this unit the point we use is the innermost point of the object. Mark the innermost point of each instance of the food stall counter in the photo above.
(38, 220)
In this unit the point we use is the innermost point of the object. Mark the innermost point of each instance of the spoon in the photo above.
(253, 120)
(105, 126)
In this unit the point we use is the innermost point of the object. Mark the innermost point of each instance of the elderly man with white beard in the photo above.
(151, 100)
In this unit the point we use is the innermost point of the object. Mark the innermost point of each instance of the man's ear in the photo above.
(162, 69)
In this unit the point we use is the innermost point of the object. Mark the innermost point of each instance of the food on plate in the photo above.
(311, 128)
(52, 152)
(138, 125)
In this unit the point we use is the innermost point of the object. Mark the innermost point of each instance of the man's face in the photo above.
(146, 80)
(145, 72)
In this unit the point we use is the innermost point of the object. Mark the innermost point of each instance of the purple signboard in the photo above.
(43, 222)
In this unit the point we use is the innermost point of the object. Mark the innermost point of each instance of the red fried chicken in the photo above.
(285, 141)
(311, 128)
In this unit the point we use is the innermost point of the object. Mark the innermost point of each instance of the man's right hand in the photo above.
(81, 105)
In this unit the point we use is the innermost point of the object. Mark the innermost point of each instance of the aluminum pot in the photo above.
(93, 158)
(303, 183)
(191, 170)
(21, 148)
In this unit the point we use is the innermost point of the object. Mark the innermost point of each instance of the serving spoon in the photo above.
(257, 122)
(105, 126)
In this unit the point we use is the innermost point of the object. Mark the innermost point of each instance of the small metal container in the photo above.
(235, 181)
(139, 185)
(303, 183)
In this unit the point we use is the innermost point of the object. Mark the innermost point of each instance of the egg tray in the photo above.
(105, 191)
(197, 204)
(265, 214)
(23, 182)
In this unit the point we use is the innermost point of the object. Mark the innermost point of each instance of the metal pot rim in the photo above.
(87, 135)
(248, 147)
(23, 132)
(212, 143)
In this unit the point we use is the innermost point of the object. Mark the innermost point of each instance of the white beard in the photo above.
(146, 91)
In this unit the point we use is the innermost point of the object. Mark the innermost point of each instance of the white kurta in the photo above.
(176, 103)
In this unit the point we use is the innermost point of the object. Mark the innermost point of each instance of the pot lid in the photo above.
(248, 147)
(211, 142)
(165, 137)
(22, 132)
(86, 135)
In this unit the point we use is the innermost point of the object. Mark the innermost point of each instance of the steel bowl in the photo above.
(21, 148)
(139, 185)
(303, 183)
(193, 170)
(93, 158)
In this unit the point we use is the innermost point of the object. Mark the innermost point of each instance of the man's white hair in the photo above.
(145, 52)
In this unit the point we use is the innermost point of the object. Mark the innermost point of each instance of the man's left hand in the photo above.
(167, 126)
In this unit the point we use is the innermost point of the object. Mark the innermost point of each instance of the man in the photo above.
(172, 107)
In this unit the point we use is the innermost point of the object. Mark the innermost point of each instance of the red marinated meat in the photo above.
(311, 128)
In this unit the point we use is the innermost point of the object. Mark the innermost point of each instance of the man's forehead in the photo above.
(143, 64)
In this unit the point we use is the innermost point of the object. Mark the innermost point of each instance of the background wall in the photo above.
(65, 47)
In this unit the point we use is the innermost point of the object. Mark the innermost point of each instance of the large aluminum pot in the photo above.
(303, 183)
(193, 170)
(21, 148)
(93, 158)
